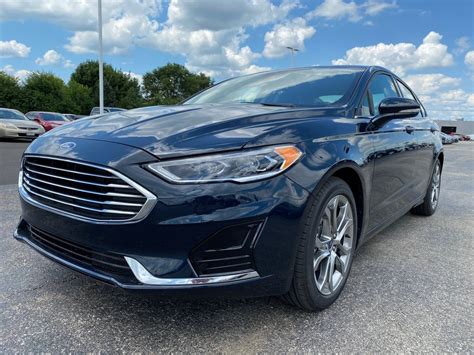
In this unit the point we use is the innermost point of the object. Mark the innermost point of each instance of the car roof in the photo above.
(10, 109)
(370, 68)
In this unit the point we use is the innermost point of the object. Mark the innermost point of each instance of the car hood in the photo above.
(168, 131)
(21, 123)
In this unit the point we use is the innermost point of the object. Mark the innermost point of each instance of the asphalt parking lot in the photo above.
(411, 289)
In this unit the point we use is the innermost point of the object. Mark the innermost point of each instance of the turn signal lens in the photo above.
(289, 154)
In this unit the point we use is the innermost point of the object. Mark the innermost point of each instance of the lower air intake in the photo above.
(228, 251)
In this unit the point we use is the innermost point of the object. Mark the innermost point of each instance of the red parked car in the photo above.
(48, 120)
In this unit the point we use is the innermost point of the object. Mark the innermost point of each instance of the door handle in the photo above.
(409, 129)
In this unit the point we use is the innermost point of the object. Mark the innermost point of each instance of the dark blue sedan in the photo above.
(264, 184)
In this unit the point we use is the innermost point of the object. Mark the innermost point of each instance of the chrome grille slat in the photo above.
(111, 194)
(83, 191)
(78, 206)
(79, 181)
(74, 172)
(117, 203)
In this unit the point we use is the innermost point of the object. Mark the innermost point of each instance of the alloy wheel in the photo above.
(334, 244)
(435, 186)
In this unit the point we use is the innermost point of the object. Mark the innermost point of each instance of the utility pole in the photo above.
(293, 50)
(101, 62)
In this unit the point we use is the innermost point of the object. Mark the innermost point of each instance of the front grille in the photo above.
(107, 263)
(85, 191)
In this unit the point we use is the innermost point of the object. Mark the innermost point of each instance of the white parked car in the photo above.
(14, 124)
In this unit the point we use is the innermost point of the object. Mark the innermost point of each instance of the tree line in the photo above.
(43, 91)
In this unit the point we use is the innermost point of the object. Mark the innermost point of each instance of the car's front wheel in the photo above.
(326, 248)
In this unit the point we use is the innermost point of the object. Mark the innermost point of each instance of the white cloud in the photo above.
(119, 35)
(288, 34)
(81, 16)
(13, 49)
(340, 9)
(336, 9)
(220, 15)
(374, 7)
(21, 74)
(469, 59)
(211, 35)
(139, 77)
(52, 57)
(462, 45)
(401, 57)
(252, 69)
(442, 95)
(68, 64)
(428, 84)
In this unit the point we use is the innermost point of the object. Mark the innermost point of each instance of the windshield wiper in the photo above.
(268, 103)
(277, 104)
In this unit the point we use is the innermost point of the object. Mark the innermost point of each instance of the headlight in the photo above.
(244, 166)
(8, 125)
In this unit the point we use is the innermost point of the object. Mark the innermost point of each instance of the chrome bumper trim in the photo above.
(146, 278)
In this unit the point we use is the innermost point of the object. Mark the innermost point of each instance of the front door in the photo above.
(395, 157)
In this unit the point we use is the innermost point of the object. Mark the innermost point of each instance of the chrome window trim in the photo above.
(144, 276)
(144, 211)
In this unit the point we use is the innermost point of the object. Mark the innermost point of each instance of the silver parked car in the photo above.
(14, 124)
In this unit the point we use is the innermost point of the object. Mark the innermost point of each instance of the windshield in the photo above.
(11, 115)
(304, 87)
(52, 117)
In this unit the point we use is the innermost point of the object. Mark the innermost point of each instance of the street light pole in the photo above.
(101, 63)
(293, 50)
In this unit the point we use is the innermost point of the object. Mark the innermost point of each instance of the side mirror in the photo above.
(399, 107)
(395, 107)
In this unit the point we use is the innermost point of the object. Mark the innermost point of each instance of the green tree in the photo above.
(10, 91)
(45, 92)
(79, 97)
(120, 89)
(172, 83)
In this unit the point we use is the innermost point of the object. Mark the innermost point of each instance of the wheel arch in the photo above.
(440, 157)
(350, 173)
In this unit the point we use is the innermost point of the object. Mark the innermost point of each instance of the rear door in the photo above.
(425, 132)
(395, 157)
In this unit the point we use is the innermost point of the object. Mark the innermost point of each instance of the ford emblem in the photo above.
(67, 145)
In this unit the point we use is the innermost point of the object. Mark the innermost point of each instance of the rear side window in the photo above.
(381, 87)
(405, 91)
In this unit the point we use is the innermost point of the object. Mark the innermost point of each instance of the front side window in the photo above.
(313, 87)
(53, 117)
(365, 107)
(381, 87)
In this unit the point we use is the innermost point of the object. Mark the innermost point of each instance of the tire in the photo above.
(319, 250)
(430, 201)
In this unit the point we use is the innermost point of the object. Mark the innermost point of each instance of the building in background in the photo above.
(463, 127)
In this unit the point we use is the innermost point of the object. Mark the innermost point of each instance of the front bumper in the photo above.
(178, 247)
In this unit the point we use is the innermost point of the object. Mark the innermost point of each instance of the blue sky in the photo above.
(428, 43)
